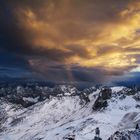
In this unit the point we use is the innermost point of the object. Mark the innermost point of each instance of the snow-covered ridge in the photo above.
(63, 115)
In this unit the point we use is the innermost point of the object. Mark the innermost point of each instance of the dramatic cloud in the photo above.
(73, 39)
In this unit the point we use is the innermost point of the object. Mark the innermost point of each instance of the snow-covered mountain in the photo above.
(70, 113)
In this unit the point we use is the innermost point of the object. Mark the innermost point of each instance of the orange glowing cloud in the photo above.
(87, 33)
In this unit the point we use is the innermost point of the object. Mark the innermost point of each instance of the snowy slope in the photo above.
(57, 117)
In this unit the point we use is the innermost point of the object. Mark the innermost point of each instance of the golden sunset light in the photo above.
(83, 33)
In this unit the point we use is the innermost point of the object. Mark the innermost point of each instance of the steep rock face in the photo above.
(106, 93)
(101, 101)
(100, 104)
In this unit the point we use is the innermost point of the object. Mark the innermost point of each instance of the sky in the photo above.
(91, 41)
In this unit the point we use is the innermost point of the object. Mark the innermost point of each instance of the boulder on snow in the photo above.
(99, 103)
(69, 137)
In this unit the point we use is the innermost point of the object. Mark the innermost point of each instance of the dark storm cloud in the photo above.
(13, 66)
(17, 38)
(75, 74)
(132, 79)
(8, 59)
(11, 36)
